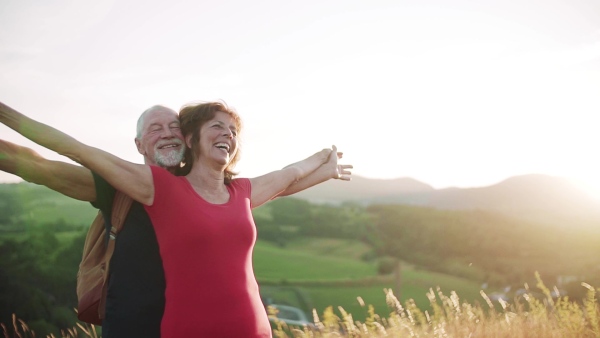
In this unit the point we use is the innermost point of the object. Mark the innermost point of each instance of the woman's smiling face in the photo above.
(218, 139)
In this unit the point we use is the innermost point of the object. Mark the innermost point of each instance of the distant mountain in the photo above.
(363, 190)
(535, 197)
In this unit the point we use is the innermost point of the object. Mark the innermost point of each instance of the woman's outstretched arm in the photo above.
(328, 170)
(267, 186)
(133, 179)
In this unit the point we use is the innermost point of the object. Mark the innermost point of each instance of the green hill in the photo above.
(303, 275)
(301, 264)
(33, 204)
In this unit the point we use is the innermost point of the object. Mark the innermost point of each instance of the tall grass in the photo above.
(448, 317)
(20, 329)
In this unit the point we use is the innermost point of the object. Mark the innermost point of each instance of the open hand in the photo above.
(340, 171)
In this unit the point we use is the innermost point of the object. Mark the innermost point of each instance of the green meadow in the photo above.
(329, 272)
(303, 264)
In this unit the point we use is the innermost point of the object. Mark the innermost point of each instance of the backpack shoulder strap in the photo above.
(120, 208)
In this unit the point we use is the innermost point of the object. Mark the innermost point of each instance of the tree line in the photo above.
(476, 244)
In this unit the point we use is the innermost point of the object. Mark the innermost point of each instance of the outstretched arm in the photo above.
(133, 179)
(328, 170)
(265, 187)
(68, 179)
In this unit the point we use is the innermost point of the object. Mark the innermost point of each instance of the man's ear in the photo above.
(138, 144)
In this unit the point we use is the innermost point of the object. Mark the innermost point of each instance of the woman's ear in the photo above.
(188, 141)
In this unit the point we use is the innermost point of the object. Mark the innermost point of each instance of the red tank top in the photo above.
(207, 257)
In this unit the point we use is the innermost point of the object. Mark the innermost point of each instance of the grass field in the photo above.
(63, 237)
(345, 248)
(79, 213)
(307, 260)
(322, 297)
(298, 263)
(42, 205)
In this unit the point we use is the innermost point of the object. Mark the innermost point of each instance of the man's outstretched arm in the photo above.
(68, 179)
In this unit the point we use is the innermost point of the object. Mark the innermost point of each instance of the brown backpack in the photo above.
(92, 277)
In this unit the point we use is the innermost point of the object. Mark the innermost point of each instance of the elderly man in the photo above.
(135, 298)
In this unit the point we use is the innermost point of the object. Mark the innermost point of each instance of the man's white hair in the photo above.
(140, 122)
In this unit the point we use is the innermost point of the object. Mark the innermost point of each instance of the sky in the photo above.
(451, 93)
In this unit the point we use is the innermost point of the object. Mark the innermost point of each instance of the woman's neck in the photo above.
(208, 183)
(207, 177)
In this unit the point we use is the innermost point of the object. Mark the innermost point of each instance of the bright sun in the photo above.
(590, 186)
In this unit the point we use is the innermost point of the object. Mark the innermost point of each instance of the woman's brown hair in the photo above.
(191, 118)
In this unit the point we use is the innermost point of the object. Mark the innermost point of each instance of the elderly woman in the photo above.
(203, 220)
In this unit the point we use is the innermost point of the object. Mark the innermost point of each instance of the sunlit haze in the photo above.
(451, 93)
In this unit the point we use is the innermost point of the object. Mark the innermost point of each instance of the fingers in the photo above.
(344, 177)
(343, 173)
(343, 167)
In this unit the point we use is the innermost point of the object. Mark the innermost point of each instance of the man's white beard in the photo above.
(171, 159)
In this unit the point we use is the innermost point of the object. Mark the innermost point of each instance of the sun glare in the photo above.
(590, 186)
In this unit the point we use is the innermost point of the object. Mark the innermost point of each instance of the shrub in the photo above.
(386, 265)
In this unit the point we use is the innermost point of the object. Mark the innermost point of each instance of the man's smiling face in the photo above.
(161, 141)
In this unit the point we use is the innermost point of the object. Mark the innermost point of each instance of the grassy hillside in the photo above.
(335, 278)
(38, 205)
(302, 263)
(345, 248)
